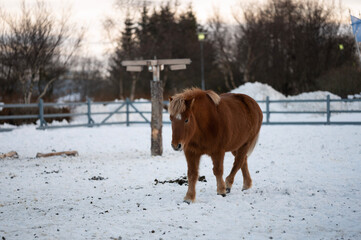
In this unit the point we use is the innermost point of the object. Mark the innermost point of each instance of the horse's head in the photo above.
(183, 122)
(181, 110)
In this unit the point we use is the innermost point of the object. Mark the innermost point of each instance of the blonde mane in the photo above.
(177, 103)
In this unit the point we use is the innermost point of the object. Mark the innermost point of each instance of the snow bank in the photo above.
(74, 97)
(260, 91)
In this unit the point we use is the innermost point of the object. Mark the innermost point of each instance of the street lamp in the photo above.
(201, 37)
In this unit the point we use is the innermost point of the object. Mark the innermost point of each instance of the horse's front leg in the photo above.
(193, 165)
(217, 159)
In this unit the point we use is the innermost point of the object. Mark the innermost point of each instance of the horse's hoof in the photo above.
(222, 194)
(187, 201)
(228, 190)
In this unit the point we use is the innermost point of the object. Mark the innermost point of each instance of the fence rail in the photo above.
(128, 108)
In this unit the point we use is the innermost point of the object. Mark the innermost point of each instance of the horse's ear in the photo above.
(192, 103)
(189, 103)
(170, 99)
(214, 97)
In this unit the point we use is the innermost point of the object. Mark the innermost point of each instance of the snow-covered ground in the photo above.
(307, 185)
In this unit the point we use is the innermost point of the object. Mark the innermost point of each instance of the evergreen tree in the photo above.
(165, 35)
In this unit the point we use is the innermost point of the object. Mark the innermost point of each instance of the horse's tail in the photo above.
(253, 145)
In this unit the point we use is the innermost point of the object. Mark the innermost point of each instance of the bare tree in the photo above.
(290, 44)
(36, 48)
(89, 77)
(223, 40)
(246, 39)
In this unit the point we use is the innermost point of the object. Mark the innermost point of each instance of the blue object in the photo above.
(356, 28)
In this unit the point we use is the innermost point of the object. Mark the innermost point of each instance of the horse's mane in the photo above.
(177, 103)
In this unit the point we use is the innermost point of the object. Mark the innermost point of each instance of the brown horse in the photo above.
(205, 123)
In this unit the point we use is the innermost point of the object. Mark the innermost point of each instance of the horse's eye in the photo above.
(186, 120)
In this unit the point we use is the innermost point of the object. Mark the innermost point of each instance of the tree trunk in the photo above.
(250, 60)
(46, 88)
(246, 77)
(156, 124)
(231, 78)
(133, 87)
(121, 95)
(28, 93)
(165, 77)
(224, 72)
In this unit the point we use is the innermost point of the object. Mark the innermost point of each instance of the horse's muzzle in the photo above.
(178, 147)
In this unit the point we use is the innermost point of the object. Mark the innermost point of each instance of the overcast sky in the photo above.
(91, 13)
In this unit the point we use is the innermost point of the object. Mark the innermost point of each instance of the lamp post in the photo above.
(201, 37)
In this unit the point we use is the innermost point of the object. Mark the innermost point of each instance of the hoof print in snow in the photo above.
(180, 181)
(97, 178)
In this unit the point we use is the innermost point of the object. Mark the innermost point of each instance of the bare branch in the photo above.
(36, 46)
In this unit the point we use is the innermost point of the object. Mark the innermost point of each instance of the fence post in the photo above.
(41, 114)
(90, 120)
(127, 110)
(328, 109)
(267, 109)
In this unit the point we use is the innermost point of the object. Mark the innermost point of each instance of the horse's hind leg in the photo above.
(218, 172)
(247, 181)
(240, 161)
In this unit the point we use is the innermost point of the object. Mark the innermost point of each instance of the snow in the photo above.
(74, 97)
(306, 184)
(260, 91)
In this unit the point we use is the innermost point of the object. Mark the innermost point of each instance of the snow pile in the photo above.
(260, 91)
(355, 96)
(74, 97)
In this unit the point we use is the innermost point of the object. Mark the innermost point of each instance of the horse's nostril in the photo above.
(179, 146)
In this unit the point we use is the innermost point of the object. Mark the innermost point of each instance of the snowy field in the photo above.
(306, 185)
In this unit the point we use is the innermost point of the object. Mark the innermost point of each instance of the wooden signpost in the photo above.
(155, 66)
